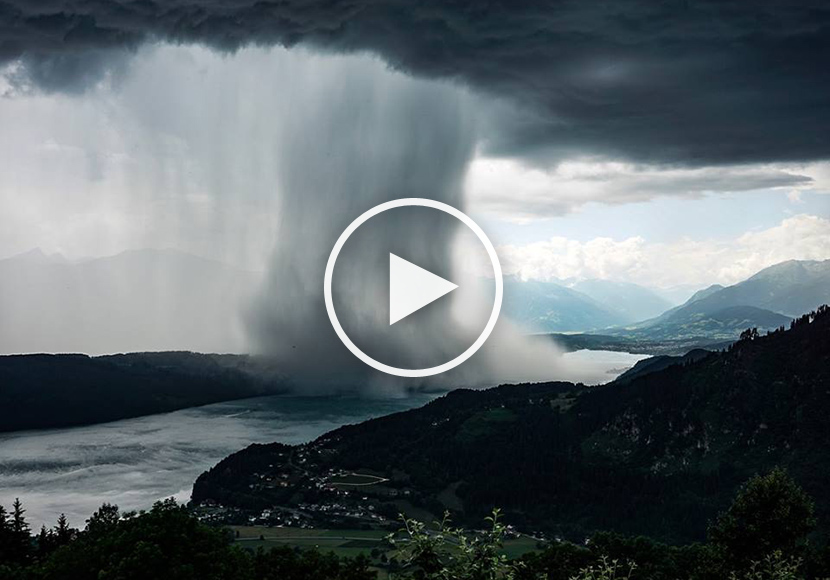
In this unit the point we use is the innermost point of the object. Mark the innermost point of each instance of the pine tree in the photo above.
(19, 524)
(44, 542)
(5, 535)
(63, 533)
(19, 541)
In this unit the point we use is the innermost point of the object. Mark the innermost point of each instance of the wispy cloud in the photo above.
(518, 192)
(684, 262)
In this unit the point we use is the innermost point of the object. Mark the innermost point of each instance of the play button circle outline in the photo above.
(494, 261)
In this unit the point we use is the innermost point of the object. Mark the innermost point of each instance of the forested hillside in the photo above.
(44, 391)
(659, 455)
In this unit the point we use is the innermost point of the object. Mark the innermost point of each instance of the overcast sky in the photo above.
(667, 144)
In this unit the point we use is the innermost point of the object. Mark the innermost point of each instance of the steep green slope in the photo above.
(660, 362)
(661, 454)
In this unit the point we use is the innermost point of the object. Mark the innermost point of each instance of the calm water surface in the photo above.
(135, 462)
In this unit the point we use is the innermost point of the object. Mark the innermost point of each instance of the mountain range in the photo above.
(159, 299)
(167, 300)
(134, 301)
(767, 300)
(585, 305)
(547, 307)
(632, 301)
(789, 288)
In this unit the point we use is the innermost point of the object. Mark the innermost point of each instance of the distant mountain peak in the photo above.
(133, 301)
(38, 256)
(766, 300)
(792, 268)
(630, 301)
(701, 294)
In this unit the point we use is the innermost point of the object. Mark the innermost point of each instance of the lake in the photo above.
(594, 367)
(135, 462)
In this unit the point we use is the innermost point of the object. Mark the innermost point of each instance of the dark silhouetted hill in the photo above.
(658, 363)
(660, 454)
(44, 391)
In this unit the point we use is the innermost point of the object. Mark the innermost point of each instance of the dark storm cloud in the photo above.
(689, 82)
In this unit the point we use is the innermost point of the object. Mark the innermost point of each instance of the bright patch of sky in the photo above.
(663, 219)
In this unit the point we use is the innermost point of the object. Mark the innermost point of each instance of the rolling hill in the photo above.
(714, 325)
(41, 391)
(660, 362)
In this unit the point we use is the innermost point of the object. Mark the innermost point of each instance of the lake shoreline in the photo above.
(134, 462)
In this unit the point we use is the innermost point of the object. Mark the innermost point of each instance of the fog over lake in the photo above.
(135, 462)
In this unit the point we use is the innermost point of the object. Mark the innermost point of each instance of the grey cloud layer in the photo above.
(663, 82)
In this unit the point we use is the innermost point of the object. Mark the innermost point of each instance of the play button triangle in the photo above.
(411, 288)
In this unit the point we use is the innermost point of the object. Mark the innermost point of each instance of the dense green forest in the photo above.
(40, 391)
(658, 455)
(764, 535)
(165, 543)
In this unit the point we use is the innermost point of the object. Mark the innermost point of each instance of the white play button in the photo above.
(411, 288)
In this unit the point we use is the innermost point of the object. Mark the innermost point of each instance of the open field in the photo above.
(356, 480)
(342, 542)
